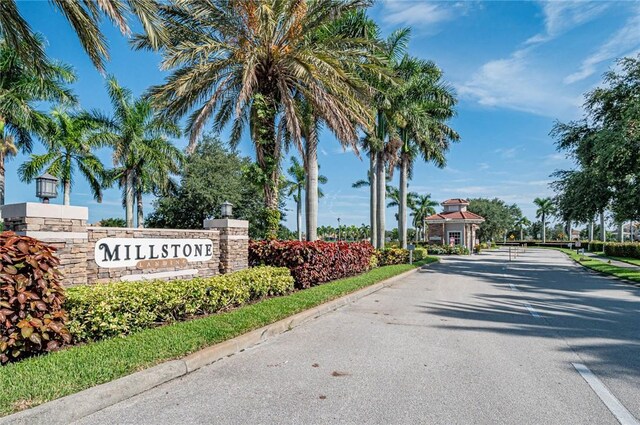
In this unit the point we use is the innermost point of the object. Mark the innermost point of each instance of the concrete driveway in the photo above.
(471, 340)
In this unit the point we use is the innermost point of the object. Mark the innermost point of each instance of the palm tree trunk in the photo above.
(544, 229)
(66, 192)
(299, 213)
(521, 234)
(311, 193)
(621, 232)
(128, 198)
(140, 209)
(2, 175)
(591, 226)
(381, 194)
(402, 207)
(373, 190)
(603, 233)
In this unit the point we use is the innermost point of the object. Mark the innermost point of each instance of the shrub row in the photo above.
(312, 263)
(393, 256)
(118, 309)
(31, 316)
(448, 250)
(627, 249)
(596, 246)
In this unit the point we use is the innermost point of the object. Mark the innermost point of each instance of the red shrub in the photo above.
(31, 297)
(312, 263)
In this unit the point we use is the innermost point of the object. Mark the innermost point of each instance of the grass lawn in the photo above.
(602, 267)
(40, 379)
(634, 261)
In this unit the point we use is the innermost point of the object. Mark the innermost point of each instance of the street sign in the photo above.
(411, 247)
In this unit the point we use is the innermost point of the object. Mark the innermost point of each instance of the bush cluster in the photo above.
(32, 320)
(312, 263)
(392, 256)
(117, 309)
(596, 246)
(627, 249)
(448, 250)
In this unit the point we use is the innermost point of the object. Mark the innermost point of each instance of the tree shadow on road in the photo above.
(598, 316)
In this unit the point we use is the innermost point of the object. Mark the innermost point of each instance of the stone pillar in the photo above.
(234, 243)
(61, 226)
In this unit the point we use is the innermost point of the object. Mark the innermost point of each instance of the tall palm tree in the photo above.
(296, 186)
(423, 206)
(246, 62)
(396, 199)
(85, 18)
(545, 209)
(70, 141)
(521, 223)
(423, 105)
(139, 141)
(20, 89)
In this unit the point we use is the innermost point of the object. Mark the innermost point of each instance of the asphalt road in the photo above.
(473, 340)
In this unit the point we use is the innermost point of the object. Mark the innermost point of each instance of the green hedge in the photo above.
(392, 256)
(596, 246)
(627, 249)
(448, 250)
(118, 309)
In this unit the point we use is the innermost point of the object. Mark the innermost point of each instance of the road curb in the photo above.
(84, 403)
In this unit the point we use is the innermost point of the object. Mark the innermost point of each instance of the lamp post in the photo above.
(46, 187)
(339, 229)
(226, 209)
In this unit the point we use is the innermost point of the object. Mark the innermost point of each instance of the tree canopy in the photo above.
(499, 217)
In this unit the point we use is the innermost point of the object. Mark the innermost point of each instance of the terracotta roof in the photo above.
(455, 215)
(455, 201)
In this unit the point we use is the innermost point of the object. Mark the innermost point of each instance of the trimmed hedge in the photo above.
(596, 246)
(118, 309)
(627, 249)
(32, 320)
(392, 256)
(448, 250)
(312, 263)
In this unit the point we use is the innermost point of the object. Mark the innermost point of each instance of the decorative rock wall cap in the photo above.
(225, 223)
(36, 209)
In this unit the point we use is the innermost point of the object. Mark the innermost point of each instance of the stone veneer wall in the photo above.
(96, 274)
(234, 243)
(436, 229)
(63, 227)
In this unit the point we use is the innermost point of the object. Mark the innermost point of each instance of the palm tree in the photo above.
(296, 186)
(423, 207)
(246, 62)
(423, 104)
(545, 209)
(139, 140)
(20, 89)
(521, 224)
(85, 18)
(70, 141)
(396, 200)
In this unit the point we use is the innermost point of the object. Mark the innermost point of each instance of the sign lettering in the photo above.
(129, 252)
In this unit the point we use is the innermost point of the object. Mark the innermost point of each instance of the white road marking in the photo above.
(513, 287)
(613, 404)
(533, 312)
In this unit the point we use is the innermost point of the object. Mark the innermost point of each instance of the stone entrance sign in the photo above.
(104, 254)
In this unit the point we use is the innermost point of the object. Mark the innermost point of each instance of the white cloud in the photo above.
(562, 16)
(422, 13)
(519, 83)
(624, 42)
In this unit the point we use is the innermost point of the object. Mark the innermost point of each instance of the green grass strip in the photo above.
(602, 267)
(44, 378)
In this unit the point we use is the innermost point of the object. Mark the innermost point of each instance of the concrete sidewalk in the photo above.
(611, 261)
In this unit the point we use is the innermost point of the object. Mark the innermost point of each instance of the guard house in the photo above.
(455, 225)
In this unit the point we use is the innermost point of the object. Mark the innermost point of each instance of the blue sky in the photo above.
(516, 67)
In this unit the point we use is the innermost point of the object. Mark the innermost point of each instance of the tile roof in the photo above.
(455, 215)
(455, 201)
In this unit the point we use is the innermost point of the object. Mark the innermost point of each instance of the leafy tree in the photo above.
(546, 208)
(20, 89)
(85, 18)
(296, 186)
(113, 222)
(70, 140)
(142, 154)
(499, 217)
(248, 61)
(521, 224)
(211, 175)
